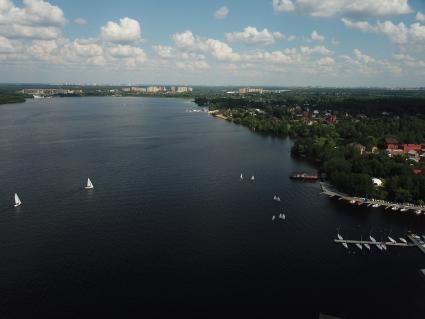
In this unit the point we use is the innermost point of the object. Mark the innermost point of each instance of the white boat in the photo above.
(276, 198)
(379, 246)
(345, 245)
(367, 246)
(252, 178)
(283, 216)
(404, 209)
(359, 246)
(273, 218)
(17, 200)
(241, 176)
(403, 240)
(372, 239)
(375, 205)
(391, 239)
(394, 208)
(384, 247)
(418, 212)
(89, 184)
(352, 201)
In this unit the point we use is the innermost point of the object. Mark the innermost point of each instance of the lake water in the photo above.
(170, 229)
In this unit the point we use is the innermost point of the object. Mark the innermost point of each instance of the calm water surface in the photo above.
(170, 229)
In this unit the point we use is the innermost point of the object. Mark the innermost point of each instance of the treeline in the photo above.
(335, 148)
(11, 97)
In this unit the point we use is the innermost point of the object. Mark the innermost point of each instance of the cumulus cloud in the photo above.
(315, 36)
(320, 49)
(125, 31)
(420, 17)
(325, 62)
(35, 19)
(80, 21)
(251, 35)
(359, 8)
(283, 5)
(221, 13)
(400, 33)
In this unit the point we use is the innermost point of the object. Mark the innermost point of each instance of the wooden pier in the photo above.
(327, 190)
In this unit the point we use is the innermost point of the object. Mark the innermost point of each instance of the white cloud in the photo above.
(221, 13)
(400, 33)
(251, 35)
(326, 62)
(5, 44)
(315, 36)
(36, 19)
(80, 21)
(359, 8)
(283, 5)
(320, 49)
(291, 38)
(420, 17)
(127, 30)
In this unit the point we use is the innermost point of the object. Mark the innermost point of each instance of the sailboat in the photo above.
(374, 241)
(252, 178)
(89, 184)
(367, 246)
(273, 217)
(283, 216)
(276, 198)
(241, 176)
(17, 200)
(359, 245)
(403, 240)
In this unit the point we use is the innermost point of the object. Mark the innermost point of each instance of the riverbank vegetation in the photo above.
(11, 97)
(344, 133)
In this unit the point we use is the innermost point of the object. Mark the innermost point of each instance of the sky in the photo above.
(344, 43)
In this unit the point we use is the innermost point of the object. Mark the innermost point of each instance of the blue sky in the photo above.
(233, 42)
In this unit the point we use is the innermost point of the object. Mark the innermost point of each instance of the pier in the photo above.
(415, 242)
(362, 242)
(328, 191)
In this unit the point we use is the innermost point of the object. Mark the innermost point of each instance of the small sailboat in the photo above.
(89, 184)
(367, 246)
(384, 247)
(276, 198)
(359, 246)
(17, 200)
(252, 178)
(375, 205)
(403, 240)
(418, 212)
(273, 218)
(241, 176)
(345, 245)
(283, 216)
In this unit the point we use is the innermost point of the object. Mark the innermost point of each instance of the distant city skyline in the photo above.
(346, 43)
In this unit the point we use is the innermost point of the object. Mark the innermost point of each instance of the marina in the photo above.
(416, 241)
(374, 203)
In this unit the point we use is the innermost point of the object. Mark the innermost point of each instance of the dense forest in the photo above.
(355, 119)
(11, 97)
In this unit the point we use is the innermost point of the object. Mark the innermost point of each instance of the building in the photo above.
(49, 92)
(377, 182)
(251, 90)
(138, 89)
(184, 89)
(411, 147)
(391, 143)
(156, 89)
(126, 89)
(359, 147)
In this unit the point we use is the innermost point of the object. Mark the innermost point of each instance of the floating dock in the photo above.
(387, 243)
(415, 242)
(327, 190)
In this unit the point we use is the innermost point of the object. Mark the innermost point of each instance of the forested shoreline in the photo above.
(344, 135)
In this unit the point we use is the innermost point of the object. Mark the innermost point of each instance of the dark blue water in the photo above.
(170, 229)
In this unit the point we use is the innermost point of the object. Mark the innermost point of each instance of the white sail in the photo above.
(252, 178)
(89, 184)
(17, 200)
(241, 176)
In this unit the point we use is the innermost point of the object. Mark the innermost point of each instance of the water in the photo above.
(171, 229)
